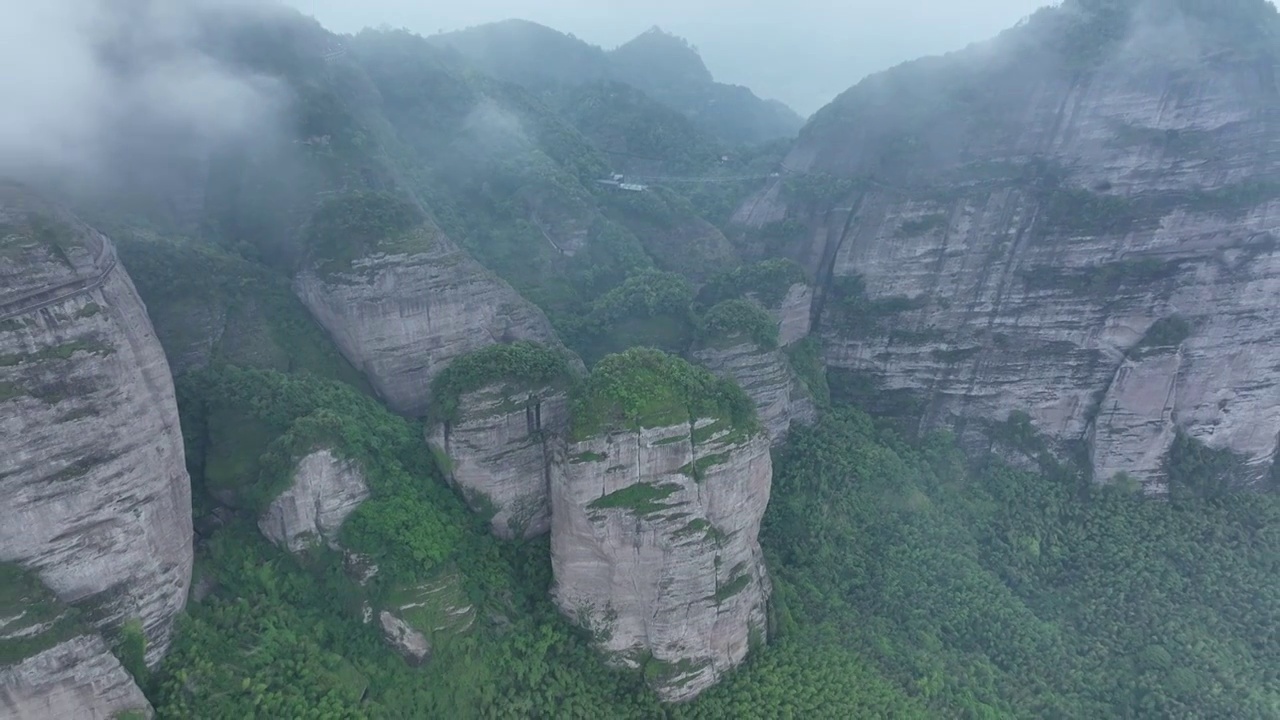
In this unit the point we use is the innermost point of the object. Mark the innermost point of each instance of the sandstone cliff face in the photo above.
(51, 664)
(401, 318)
(794, 314)
(500, 452)
(325, 491)
(767, 377)
(662, 566)
(1020, 244)
(78, 678)
(96, 496)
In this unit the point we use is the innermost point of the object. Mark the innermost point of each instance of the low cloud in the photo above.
(83, 78)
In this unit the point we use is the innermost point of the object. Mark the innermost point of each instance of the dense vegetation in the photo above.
(643, 387)
(909, 580)
(768, 281)
(736, 319)
(211, 306)
(521, 364)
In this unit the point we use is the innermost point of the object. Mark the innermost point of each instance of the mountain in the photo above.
(657, 63)
(423, 411)
(96, 537)
(1067, 221)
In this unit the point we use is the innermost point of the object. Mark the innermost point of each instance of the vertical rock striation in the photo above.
(1036, 211)
(500, 450)
(654, 548)
(97, 500)
(794, 314)
(324, 492)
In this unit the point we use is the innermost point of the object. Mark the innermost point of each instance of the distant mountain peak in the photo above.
(664, 53)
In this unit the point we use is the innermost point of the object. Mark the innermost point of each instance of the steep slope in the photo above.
(670, 70)
(661, 65)
(1089, 235)
(739, 341)
(656, 510)
(97, 498)
(401, 300)
(51, 664)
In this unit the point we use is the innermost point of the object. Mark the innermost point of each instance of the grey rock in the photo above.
(77, 679)
(767, 377)
(411, 644)
(679, 582)
(325, 491)
(794, 315)
(992, 301)
(402, 318)
(96, 496)
(500, 451)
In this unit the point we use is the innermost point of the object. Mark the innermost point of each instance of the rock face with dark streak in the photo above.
(97, 501)
(401, 318)
(654, 548)
(1043, 210)
(324, 492)
(500, 451)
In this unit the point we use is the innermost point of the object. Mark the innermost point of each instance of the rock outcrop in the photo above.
(654, 548)
(51, 664)
(500, 449)
(412, 645)
(97, 501)
(794, 314)
(767, 377)
(77, 678)
(400, 318)
(325, 490)
(1039, 213)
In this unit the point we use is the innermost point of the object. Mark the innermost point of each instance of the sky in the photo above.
(803, 52)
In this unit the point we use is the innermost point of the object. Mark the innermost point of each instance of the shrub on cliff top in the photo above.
(769, 281)
(643, 387)
(525, 364)
(733, 318)
(350, 227)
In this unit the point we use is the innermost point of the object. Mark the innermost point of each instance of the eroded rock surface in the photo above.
(654, 548)
(97, 500)
(766, 376)
(500, 451)
(325, 491)
(1026, 231)
(78, 679)
(411, 644)
(794, 314)
(400, 318)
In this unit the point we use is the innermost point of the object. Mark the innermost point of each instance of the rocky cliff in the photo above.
(401, 316)
(77, 678)
(500, 449)
(654, 536)
(1077, 219)
(766, 375)
(51, 664)
(324, 492)
(97, 499)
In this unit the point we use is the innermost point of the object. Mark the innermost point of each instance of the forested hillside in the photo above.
(474, 430)
(664, 66)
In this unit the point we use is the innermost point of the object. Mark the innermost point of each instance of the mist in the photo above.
(86, 81)
(802, 52)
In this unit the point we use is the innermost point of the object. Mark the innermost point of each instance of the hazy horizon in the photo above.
(803, 52)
